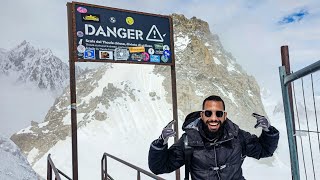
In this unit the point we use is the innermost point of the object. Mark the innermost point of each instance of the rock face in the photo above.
(36, 66)
(203, 68)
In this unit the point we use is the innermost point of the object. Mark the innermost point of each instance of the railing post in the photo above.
(138, 175)
(49, 169)
(288, 117)
(106, 167)
(102, 175)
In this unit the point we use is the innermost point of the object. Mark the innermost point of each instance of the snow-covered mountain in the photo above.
(29, 75)
(13, 163)
(36, 66)
(121, 108)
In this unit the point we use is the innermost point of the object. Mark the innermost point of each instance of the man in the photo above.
(218, 146)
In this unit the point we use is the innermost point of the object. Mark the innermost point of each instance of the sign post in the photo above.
(104, 34)
(74, 123)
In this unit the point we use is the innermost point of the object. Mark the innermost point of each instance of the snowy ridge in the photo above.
(35, 66)
(13, 164)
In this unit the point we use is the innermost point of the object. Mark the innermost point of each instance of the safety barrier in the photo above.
(106, 176)
(302, 123)
(51, 167)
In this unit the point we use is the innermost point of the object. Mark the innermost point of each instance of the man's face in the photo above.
(213, 122)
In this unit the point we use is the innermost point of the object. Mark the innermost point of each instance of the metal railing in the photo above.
(291, 114)
(106, 176)
(51, 167)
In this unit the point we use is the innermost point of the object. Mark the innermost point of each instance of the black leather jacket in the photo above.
(219, 160)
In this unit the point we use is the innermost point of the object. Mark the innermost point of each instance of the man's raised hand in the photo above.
(167, 132)
(261, 122)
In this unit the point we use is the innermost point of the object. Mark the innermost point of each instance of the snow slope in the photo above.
(14, 166)
(144, 117)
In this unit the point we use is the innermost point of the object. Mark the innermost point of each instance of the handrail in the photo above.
(63, 174)
(302, 72)
(106, 176)
(57, 172)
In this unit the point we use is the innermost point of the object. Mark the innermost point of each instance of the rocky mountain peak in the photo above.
(194, 25)
(24, 45)
(205, 68)
(21, 53)
(37, 66)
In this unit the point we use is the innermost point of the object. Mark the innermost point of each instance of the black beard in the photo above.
(211, 135)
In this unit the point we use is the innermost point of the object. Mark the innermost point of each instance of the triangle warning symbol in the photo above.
(154, 35)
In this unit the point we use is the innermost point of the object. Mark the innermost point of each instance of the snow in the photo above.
(182, 42)
(32, 154)
(221, 90)
(226, 94)
(216, 60)
(58, 105)
(14, 166)
(250, 93)
(26, 130)
(231, 68)
(41, 125)
(230, 95)
(45, 131)
(101, 108)
(198, 93)
(67, 119)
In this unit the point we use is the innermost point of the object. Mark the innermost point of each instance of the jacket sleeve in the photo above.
(163, 160)
(261, 147)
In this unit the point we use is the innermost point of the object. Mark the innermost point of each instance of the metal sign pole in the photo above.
(174, 91)
(73, 96)
(175, 107)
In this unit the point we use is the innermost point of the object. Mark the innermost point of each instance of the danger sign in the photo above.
(108, 34)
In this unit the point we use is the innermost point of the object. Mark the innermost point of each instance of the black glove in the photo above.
(167, 132)
(261, 122)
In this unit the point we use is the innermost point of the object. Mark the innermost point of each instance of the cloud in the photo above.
(294, 17)
(20, 104)
(247, 28)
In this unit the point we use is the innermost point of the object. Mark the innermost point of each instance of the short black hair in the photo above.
(213, 98)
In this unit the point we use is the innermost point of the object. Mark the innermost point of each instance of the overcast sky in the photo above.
(252, 30)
